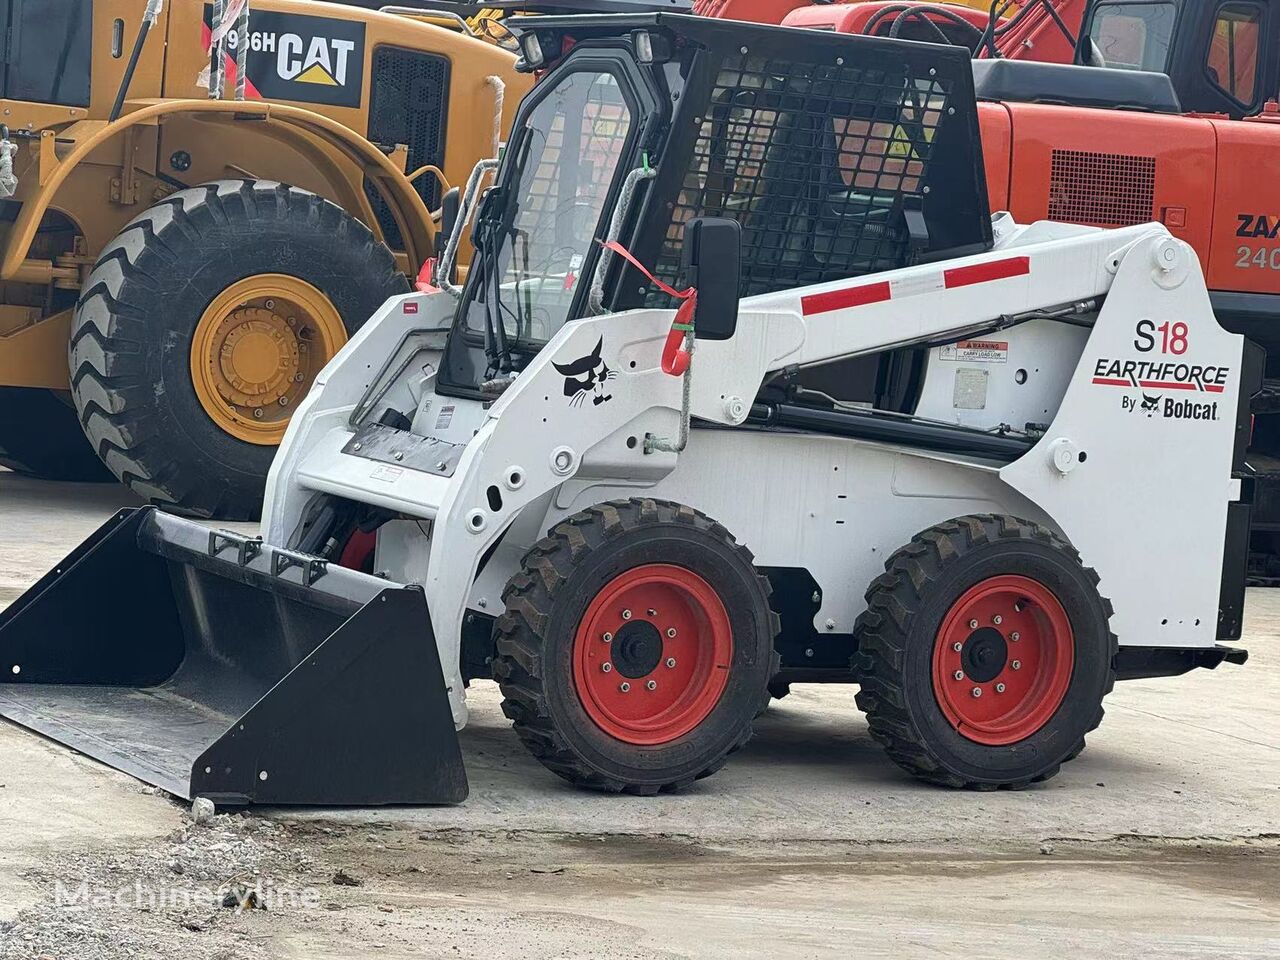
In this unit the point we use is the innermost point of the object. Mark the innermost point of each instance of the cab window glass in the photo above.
(1133, 36)
(50, 51)
(1233, 50)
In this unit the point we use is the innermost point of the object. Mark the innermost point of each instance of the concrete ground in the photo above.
(1162, 839)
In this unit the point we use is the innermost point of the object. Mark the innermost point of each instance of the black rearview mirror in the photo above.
(450, 206)
(710, 261)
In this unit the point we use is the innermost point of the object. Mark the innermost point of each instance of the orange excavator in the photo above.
(1116, 112)
(1043, 30)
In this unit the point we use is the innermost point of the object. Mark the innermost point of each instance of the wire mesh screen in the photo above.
(818, 162)
(407, 106)
(1101, 189)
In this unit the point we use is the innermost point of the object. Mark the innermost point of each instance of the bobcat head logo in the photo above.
(1149, 404)
(586, 375)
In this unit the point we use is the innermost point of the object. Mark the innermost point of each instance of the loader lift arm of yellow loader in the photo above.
(303, 129)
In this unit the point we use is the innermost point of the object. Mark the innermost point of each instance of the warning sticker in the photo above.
(387, 473)
(445, 417)
(976, 351)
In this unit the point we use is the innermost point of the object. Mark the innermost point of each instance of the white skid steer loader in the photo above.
(981, 469)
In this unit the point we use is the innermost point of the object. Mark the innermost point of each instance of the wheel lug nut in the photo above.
(997, 619)
(959, 675)
(651, 685)
(1015, 636)
(999, 688)
(606, 666)
(1017, 664)
(652, 612)
(626, 614)
(671, 632)
(671, 663)
(957, 646)
(607, 638)
(977, 691)
(973, 624)
(624, 687)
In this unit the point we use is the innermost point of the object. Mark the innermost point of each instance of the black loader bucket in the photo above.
(212, 665)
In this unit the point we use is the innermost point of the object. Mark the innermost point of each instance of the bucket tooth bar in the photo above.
(208, 664)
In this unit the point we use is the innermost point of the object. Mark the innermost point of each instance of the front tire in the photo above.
(202, 326)
(984, 653)
(637, 647)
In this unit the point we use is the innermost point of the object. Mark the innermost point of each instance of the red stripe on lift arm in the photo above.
(840, 299)
(878, 292)
(985, 272)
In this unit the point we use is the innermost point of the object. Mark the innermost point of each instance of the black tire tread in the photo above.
(110, 335)
(530, 596)
(882, 631)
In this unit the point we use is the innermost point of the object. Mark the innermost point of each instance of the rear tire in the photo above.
(674, 688)
(1040, 671)
(184, 368)
(41, 437)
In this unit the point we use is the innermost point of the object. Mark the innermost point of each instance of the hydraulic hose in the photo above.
(149, 18)
(926, 13)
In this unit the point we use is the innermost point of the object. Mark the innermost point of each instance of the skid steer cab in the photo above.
(745, 387)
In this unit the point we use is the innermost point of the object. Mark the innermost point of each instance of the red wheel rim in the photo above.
(652, 653)
(1002, 660)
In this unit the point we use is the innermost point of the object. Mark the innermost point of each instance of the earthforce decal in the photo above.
(1160, 375)
(299, 57)
(1149, 375)
(1169, 338)
(586, 375)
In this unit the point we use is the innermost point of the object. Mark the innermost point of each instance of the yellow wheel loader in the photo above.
(199, 204)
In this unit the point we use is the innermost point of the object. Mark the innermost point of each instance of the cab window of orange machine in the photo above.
(1233, 50)
(1132, 36)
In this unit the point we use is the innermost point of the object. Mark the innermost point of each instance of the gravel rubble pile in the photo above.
(203, 894)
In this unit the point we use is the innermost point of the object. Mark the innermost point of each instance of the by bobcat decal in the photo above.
(586, 375)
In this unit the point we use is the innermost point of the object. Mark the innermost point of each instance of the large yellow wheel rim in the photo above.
(257, 350)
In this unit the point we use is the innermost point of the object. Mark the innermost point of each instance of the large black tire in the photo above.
(41, 437)
(561, 577)
(901, 630)
(131, 340)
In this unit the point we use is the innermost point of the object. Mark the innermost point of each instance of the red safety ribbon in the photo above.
(675, 358)
(426, 278)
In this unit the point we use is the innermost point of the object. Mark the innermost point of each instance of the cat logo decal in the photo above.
(586, 375)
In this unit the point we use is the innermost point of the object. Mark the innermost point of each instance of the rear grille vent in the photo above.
(1101, 189)
(407, 105)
